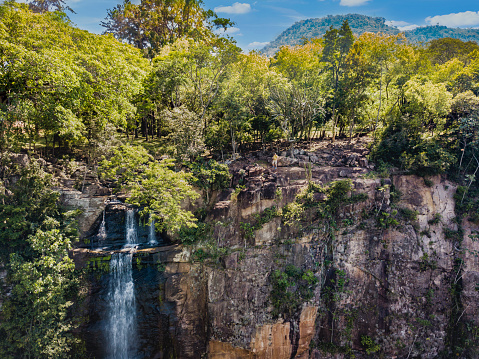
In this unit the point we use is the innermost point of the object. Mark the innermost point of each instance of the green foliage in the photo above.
(408, 214)
(291, 288)
(456, 236)
(259, 219)
(185, 135)
(369, 344)
(443, 50)
(35, 238)
(427, 263)
(192, 235)
(63, 83)
(161, 192)
(436, 219)
(427, 157)
(247, 229)
(236, 192)
(428, 182)
(264, 217)
(125, 164)
(386, 220)
(154, 186)
(402, 145)
(211, 175)
(149, 25)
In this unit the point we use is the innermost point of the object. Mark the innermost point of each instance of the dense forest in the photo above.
(160, 104)
(317, 27)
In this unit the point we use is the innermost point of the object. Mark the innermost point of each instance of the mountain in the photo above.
(359, 24)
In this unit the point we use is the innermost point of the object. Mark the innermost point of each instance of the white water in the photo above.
(121, 323)
(152, 233)
(131, 235)
(102, 231)
(121, 326)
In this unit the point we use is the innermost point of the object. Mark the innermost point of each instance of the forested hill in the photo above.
(359, 24)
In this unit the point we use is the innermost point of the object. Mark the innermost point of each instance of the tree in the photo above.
(36, 322)
(154, 186)
(359, 73)
(161, 192)
(186, 133)
(428, 104)
(188, 74)
(296, 108)
(41, 6)
(63, 83)
(443, 50)
(336, 47)
(152, 24)
(35, 236)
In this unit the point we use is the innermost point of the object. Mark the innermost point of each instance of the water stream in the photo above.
(121, 324)
(102, 230)
(121, 328)
(152, 233)
(131, 233)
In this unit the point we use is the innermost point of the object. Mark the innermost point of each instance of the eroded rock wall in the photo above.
(390, 284)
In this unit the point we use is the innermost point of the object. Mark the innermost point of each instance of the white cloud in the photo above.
(257, 44)
(353, 2)
(460, 19)
(229, 31)
(396, 23)
(402, 25)
(236, 8)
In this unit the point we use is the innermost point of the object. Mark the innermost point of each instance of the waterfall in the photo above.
(152, 233)
(122, 317)
(102, 231)
(131, 235)
(121, 325)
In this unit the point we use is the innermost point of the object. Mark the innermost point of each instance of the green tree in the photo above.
(35, 236)
(35, 316)
(445, 49)
(336, 47)
(154, 186)
(63, 83)
(152, 24)
(186, 133)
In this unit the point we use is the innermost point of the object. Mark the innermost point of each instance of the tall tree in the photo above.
(154, 23)
(336, 47)
(42, 6)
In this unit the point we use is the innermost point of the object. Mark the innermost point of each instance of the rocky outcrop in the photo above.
(383, 285)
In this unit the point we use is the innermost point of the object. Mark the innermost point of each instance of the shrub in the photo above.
(436, 219)
(386, 220)
(369, 344)
(408, 214)
(211, 175)
(291, 288)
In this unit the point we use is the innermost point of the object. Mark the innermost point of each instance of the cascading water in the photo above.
(121, 324)
(102, 231)
(131, 234)
(152, 233)
(122, 313)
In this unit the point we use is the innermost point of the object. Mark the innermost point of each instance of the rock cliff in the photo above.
(390, 273)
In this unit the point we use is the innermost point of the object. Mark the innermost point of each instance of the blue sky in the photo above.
(261, 21)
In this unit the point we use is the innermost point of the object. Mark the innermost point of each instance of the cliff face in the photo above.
(395, 275)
